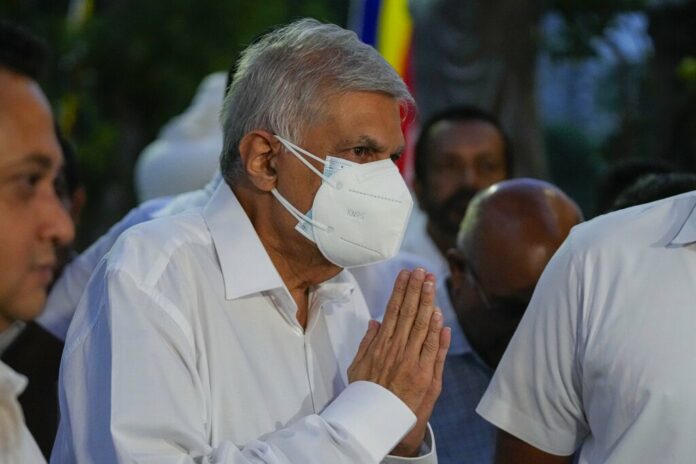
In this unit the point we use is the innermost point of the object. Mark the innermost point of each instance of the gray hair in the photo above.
(282, 79)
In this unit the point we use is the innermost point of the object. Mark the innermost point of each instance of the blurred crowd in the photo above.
(281, 295)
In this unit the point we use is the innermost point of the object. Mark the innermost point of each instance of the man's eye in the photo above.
(30, 179)
(489, 166)
(361, 151)
(26, 184)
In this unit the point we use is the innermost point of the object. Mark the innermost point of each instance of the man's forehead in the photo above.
(471, 131)
(26, 124)
(362, 117)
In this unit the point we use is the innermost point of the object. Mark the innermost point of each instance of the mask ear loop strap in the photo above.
(295, 212)
(294, 149)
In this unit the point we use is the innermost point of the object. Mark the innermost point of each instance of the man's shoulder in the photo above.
(642, 225)
(158, 240)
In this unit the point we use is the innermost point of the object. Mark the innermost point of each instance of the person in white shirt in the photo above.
(602, 362)
(68, 288)
(231, 334)
(33, 221)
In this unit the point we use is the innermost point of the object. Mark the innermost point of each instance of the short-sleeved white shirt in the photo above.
(605, 357)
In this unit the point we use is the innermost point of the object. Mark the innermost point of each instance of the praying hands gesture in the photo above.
(406, 352)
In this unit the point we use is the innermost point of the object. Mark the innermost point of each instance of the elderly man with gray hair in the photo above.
(232, 334)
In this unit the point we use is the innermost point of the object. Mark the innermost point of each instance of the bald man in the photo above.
(507, 237)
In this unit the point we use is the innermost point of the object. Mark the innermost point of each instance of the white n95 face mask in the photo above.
(360, 212)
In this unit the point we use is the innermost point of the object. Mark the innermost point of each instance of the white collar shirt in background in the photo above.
(376, 281)
(604, 357)
(67, 290)
(17, 446)
(185, 348)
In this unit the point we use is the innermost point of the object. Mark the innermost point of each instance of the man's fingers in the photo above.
(431, 346)
(445, 338)
(372, 329)
(409, 307)
(422, 322)
(391, 314)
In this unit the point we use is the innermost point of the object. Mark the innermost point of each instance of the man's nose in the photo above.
(57, 227)
(471, 179)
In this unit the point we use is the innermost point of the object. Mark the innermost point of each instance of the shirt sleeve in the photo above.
(535, 393)
(428, 452)
(130, 392)
(67, 290)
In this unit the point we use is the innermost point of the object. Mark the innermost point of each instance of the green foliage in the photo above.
(687, 72)
(132, 65)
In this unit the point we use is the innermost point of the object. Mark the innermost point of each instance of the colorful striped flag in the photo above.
(386, 25)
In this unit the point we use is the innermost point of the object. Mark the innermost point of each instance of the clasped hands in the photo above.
(406, 352)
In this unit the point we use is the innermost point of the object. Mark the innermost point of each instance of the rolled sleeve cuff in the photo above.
(502, 415)
(380, 422)
(427, 455)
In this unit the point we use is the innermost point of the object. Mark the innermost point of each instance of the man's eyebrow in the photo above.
(43, 161)
(370, 143)
(374, 145)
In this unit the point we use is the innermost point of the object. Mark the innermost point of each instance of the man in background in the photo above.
(33, 221)
(507, 237)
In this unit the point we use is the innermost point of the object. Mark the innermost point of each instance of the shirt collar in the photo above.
(11, 383)
(338, 288)
(686, 233)
(246, 266)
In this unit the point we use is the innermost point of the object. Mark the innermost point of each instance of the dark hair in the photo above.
(653, 187)
(624, 174)
(460, 113)
(20, 51)
(71, 169)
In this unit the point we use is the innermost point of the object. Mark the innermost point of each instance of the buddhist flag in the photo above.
(386, 25)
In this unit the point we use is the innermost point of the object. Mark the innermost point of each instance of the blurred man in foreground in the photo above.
(508, 235)
(602, 363)
(231, 334)
(33, 221)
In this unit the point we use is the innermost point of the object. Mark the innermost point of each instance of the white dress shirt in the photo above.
(603, 359)
(186, 348)
(67, 290)
(17, 446)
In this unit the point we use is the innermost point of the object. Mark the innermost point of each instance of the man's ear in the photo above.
(258, 150)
